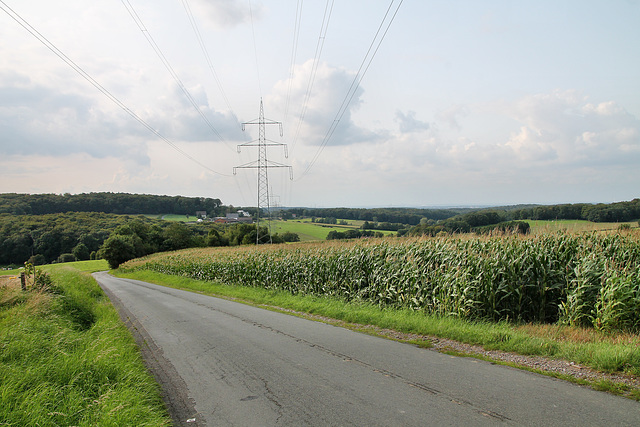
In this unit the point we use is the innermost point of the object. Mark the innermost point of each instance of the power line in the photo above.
(42, 39)
(203, 47)
(134, 15)
(212, 69)
(354, 84)
(294, 50)
(314, 68)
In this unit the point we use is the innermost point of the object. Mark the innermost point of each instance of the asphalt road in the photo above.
(222, 363)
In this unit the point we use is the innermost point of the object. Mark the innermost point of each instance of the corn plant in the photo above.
(585, 280)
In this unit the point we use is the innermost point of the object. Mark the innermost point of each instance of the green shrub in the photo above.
(66, 258)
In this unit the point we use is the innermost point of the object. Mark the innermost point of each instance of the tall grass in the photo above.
(583, 280)
(66, 359)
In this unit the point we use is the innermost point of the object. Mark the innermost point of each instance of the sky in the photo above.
(382, 103)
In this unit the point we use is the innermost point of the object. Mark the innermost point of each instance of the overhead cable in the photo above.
(314, 68)
(355, 83)
(169, 68)
(42, 39)
(294, 50)
(203, 47)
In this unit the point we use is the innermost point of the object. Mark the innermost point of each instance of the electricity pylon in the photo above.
(262, 165)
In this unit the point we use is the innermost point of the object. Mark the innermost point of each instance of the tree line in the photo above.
(115, 203)
(601, 212)
(466, 219)
(481, 222)
(510, 219)
(410, 216)
(44, 238)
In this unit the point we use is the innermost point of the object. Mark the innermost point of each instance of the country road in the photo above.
(223, 363)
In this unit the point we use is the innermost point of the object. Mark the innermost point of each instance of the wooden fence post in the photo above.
(23, 280)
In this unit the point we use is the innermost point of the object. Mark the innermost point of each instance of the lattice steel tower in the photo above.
(262, 165)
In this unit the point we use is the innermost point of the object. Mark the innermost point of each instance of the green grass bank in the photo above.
(67, 359)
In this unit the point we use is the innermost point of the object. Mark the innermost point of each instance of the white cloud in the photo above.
(40, 120)
(452, 115)
(564, 141)
(320, 105)
(423, 128)
(176, 117)
(408, 122)
(564, 128)
(223, 14)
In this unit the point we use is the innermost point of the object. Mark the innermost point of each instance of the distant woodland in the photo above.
(511, 218)
(45, 228)
(410, 216)
(115, 203)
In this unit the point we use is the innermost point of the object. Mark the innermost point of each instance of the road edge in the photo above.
(174, 394)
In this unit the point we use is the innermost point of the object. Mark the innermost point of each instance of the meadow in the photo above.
(305, 229)
(67, 359)
(310, 231)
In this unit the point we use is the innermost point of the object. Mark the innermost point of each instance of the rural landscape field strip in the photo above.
(587, 280)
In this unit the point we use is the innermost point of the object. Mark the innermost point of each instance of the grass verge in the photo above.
(612, 353)
(67, 359)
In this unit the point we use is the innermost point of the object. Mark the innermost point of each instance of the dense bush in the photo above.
(66, 258)
(352, 234)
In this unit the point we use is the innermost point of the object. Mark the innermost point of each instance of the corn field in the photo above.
(583, 280)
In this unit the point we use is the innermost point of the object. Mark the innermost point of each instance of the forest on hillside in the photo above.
(115, 203)
(71, 236)
(601, 212)
(409, 216)
(510, 218)
(53, 237)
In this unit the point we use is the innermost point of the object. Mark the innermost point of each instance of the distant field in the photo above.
(313, 231)
(574, 226)
(304, 228)
(182, 218)
(82, 266)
